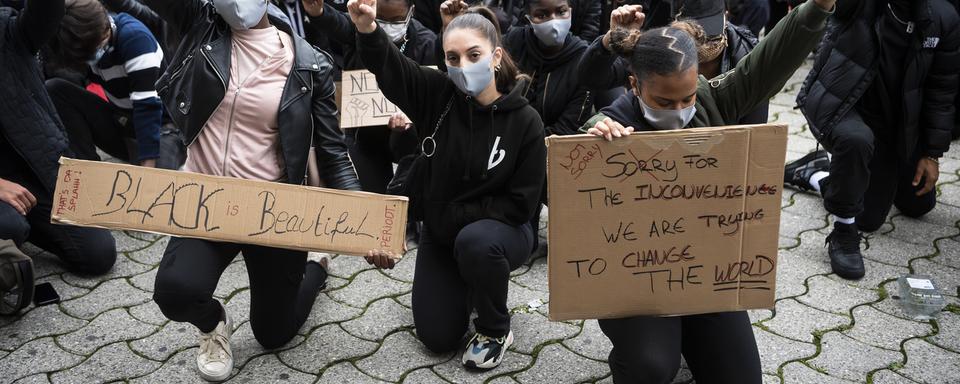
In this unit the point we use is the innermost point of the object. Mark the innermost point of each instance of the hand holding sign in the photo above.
(399, 122)
(364, 14)
(381, 259)
(608, 129)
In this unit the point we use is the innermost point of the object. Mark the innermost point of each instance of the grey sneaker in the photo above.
(484, 352)
(215, 358)
(797, 173)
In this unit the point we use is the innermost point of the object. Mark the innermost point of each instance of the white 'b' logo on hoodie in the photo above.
(496, 156)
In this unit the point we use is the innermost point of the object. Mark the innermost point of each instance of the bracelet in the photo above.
(933, 159)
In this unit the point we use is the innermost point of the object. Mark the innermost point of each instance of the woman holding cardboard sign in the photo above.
(252, 97)
(482, 175)
(669, 94)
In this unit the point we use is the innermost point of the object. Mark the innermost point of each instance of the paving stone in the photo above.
(927, 363)
(893, 251)
(107, 328)
(324, 346)
(949, 194)
(344, 266)
(423, 376)
(109, 294)
(891, 305)
(536, 277)
(38, 322)
(510, 380)
(44, 263)
(768, 379)
(126, 243)
(591, 342)
(380, 318)
(400, 352)
(37, 356)
(556, 364)
(346, 373)
(454, 371)
(152, 254)
(326, 311)
(846, 358)
(181, 368)
(797, 321)
(245, 345)
(145, 281)
(919, 231)
(787, 242)
(776, 350)
(792, 224)
(64, 290)
(758, 315)
(795, 266)
(949, 253)
(172, 338)
(113, 362)
(405, 300)
(799, 373)
(334, 282)
(267, 369)
(145, 236)
(949, 335)
(367, 287)
(887, 376)
(882, 330)
(519, 296)
(238, 307)
(123, 267)
(947, 278)
(836, 297)
(40, 378)
(148, 312)
(403, 270)
(876, 274)
(533, 329)
(234, 278)
(944, 215)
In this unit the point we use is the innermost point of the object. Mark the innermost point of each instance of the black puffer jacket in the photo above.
(848, 62)
(29, 124)
(195, 83)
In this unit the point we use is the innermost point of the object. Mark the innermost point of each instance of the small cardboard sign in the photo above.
(664, 223)
(117, 196)
(361, 102)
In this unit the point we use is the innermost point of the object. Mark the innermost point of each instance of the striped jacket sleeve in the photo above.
(142, 55)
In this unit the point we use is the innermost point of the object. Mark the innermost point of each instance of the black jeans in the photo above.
(719, 348)
(283, 286)
(89, 251)
(374, 150)
(867, 177)
(474, 270)
(90, 121)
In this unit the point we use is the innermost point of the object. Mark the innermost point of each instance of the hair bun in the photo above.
(623, 41)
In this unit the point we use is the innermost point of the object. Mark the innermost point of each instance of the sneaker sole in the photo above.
(847, 274)
(495, 362)
(224, 377)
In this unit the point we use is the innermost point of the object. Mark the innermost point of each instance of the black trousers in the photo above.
(90, 121)
(374, 150)
(283, 286)
(719, 348)
(867, 177)
(90, 251)
(474, 270)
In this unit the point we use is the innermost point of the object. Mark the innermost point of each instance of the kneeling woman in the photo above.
(669, 94)
(250, 97)
(484, 181)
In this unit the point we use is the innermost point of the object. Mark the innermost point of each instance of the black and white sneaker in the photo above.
(484, 352)
(797, 173)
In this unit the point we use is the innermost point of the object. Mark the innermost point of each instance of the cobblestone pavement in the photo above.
(823, 329)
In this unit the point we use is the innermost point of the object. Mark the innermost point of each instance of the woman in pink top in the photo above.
(251, 98)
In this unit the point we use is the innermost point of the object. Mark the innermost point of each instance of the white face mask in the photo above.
(665, 119)
(474, 78)
(241, 14)
(552, 33)
(396, 30)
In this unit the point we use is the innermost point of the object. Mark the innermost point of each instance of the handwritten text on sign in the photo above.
(664, 223)
(216, 208)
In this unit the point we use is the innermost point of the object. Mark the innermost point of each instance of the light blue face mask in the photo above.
(666, 119)
(474, 78)
(552, 33)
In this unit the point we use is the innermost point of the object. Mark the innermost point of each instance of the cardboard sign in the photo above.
(361, 102)
(664, 223)
(116, 196)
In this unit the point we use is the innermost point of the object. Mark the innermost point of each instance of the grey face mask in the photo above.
(241, 14)
(474, 78)
(552, 33)
(665, 119)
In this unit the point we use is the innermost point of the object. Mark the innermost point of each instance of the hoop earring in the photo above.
(497, 68)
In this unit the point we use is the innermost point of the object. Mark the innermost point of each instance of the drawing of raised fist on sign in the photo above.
(358, 110)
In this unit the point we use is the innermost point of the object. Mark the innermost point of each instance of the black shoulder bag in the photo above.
(413, 171)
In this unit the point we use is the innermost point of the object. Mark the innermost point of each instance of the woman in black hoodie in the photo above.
(486, 169)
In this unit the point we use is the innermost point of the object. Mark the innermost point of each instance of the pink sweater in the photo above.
(241, 137)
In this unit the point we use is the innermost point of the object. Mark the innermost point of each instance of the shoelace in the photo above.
(481, 338)
(214, 345)
(847, 242)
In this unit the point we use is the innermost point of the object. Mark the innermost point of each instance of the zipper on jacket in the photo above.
(546, 86)
(226, 147)
(583, 106)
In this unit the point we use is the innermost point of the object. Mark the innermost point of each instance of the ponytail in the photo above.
(483, 20)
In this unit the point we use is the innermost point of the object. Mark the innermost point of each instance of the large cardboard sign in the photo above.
(664, 223)
(117, 196)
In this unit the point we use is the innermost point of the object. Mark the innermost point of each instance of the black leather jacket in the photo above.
(195, 83)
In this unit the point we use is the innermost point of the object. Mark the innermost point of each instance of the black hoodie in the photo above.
(555, 91)
(490, 161)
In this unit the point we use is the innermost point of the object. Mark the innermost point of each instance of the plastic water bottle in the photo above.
(920, 298)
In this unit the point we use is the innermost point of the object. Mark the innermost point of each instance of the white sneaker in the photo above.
(215, 358)
(484, 352)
